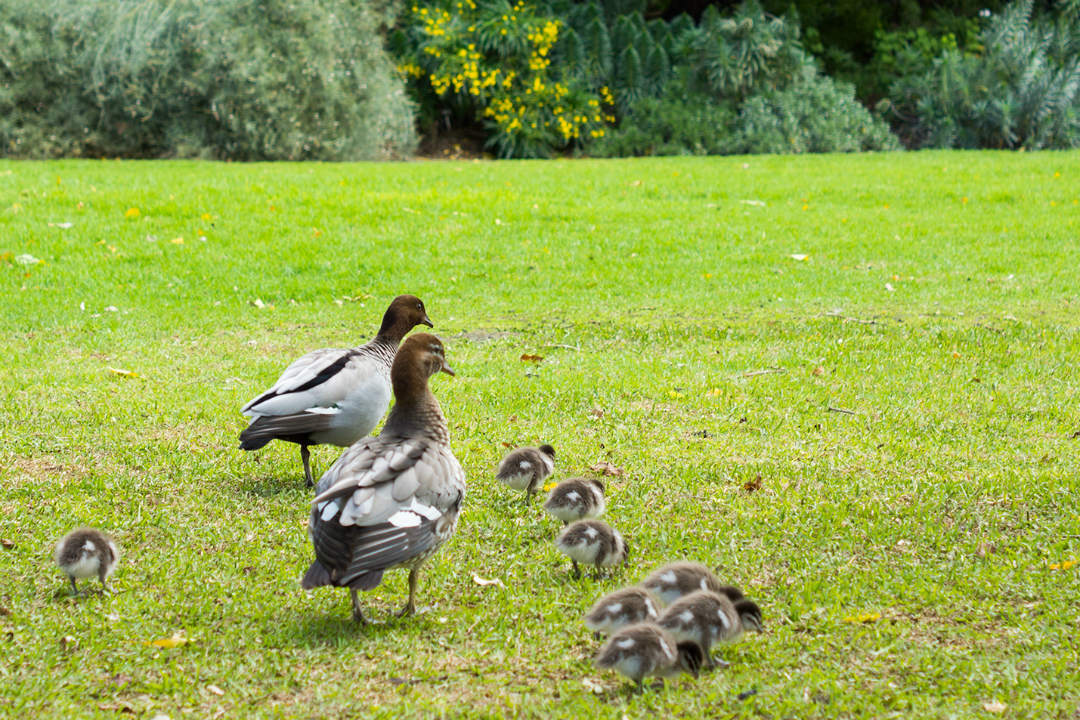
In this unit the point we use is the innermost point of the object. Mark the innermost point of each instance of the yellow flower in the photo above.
(132, 213)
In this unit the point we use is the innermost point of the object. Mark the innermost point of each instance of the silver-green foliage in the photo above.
(236, 79)
(1021, 91)
(813, 114)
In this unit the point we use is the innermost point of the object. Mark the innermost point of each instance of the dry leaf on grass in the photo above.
(124, 373)
(170, 642)
(525, 357)
(863, 618)
(215, 689)
(484, 581)
(994, 707)
(752, 485)
(605, 468)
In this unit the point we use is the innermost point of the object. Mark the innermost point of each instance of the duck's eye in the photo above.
(419, 306)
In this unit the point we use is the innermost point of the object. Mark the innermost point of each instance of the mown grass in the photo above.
(899, 491)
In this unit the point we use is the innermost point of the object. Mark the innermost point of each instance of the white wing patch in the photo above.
(649, 607)
(724, 619)
(573, 496)
(686, 616)
(89, 546)
(591, 533)
(625, 643)
(668, 577)
(665, 647)
(413, 515)
(614, 607)
(404, 518)
(704, 584)
(329, 509)
(525, 465)
(323, 410)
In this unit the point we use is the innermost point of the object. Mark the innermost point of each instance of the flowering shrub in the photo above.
(490, 61)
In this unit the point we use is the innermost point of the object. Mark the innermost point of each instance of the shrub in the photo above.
(747, 53)
(491, 63)
(813, 115)
(1021, 91)
(669, 125)
(243, 80)
(595, 77)
(747, 86)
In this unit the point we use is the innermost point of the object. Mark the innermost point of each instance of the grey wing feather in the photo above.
(299, 372)
(383, 502)
(385, 546)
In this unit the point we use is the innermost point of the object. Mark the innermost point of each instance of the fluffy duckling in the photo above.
(592, 542)
(333, 396)
(84, 553)
(621, 608)
(677, 579)
(391, 500)
(706, 617)
(643, 650)
(525, 468)
(576, 499)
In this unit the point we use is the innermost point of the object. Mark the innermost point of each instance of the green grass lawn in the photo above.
(899, 489)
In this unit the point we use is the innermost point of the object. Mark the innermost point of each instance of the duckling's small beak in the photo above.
(447, 369)
(427, 321)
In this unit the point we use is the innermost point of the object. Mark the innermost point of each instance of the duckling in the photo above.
(677, 579)
(525, 468)
(706, 617)
(644, 649)
(621, 608)
(84, 553)
(592, 542)
(576, 499)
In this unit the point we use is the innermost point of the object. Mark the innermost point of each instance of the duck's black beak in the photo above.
(447, 369)
(427, 321)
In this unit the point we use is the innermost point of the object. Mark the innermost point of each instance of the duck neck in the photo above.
(417, 413)
(393, 329)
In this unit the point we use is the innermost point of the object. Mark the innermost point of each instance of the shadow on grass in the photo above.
(320, 628)
(270, 487)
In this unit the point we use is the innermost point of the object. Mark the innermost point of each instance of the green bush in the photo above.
(543, 76)
(745, 85)
(752, 51)
(813, 115)
(1022, 90)
(243, 79)
(669, 125)
(490, 63)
